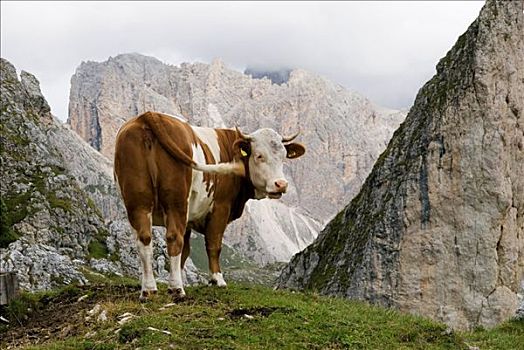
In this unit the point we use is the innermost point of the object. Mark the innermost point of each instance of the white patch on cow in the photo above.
(209, 137)
(175, 274)
(146, 258)
(179, 117)
(218, 279)
(200, 201)
(236, 168)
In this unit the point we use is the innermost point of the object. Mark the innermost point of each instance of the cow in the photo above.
(185, 178)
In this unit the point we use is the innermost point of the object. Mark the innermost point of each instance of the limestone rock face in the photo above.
(48, 222)
(438, 226)
(344, 133)
(63, 215)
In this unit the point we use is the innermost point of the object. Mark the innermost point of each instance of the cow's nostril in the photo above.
(281, 184)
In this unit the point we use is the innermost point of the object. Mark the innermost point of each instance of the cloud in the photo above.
(385, 50)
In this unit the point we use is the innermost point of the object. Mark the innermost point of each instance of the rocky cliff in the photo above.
(49, 223)
(62, 217)
(343, 131)
(438, 226)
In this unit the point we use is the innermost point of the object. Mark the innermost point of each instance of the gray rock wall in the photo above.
(343, 131)
(438, 227)
(43, 206)
(65, 216)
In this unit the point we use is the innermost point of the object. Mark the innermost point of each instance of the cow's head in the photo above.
(264, 152)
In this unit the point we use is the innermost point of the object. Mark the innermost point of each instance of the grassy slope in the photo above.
(214, 318)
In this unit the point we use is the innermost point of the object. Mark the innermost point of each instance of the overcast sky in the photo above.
(384, 50)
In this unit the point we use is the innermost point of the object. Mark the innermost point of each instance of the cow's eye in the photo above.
(259, 158)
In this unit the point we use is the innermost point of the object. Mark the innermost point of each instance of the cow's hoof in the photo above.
(145, 295)
(218, 280)
(220, 284)
(177, 293)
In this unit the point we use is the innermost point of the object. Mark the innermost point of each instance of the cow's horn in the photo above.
(290, 138)
(245, 137)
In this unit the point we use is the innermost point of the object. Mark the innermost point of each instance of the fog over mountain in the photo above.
(384, 50)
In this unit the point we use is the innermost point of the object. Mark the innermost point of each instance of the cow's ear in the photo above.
(242, 148)
(295, 150)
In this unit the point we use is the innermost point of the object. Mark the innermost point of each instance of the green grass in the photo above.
(229, 258)
(214, 318)
(97, 249)
(56, 202)
(509, 335)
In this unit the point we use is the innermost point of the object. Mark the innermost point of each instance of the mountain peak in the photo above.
(343, 133)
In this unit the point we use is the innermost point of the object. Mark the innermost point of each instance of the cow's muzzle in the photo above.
(279, 188)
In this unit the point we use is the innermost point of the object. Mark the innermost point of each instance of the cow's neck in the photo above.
(246, 190)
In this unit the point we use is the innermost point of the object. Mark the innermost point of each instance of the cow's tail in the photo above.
(158, 128)
(236, 168)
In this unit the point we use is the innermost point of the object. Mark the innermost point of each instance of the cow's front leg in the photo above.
(141, 223)
(214, 233)
(176, 227)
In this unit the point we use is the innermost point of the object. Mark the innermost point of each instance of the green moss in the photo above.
(57, 169)
(91, 204)
(39, 182)
(58, 229)
(96, 188)
(15, 208)
(55, 202)
(97, 249)
(6, 232)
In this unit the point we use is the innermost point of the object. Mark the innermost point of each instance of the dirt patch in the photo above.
(257, 311)
(57, 317)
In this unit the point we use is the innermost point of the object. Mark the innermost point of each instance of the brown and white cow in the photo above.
(184, 177)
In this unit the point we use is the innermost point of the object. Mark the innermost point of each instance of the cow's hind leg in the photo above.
(141, 222)
(187, 247)
(175, 230)
(214, 233)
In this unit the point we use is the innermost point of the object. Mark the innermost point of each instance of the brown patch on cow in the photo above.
(209, 179)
